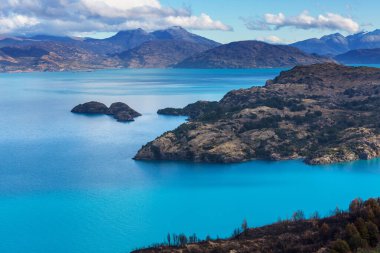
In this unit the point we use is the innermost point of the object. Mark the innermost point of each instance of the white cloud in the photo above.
(86, 16)
(271, 39)
(304, 20)
(14, 22)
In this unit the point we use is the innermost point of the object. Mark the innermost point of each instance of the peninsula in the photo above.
(322, 114)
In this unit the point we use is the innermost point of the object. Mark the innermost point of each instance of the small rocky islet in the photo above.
(321, 113)
(120, 111)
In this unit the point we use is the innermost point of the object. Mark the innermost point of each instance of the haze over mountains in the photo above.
(175, 47)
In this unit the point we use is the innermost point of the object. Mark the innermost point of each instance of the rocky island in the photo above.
(322, 113)
(120, 111)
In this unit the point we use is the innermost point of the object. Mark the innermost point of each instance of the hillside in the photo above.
(360, 56)
(160, 54)
(356, 230)
(250, 54)
(322, 114)
(52, 56)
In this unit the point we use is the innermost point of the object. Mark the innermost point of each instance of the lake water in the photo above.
(68, 183)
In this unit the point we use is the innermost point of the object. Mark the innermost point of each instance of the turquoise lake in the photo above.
(68, 183)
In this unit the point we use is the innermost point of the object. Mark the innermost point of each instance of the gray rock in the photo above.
(92, 107)
(120, 111)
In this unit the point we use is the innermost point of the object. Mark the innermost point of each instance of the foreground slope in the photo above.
(250, 54)
(356, 230)
(323, 113)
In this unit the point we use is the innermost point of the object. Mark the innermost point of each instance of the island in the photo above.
(322, 113)
(120, 111)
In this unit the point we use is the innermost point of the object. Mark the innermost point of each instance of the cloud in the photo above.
(271, 39)
(330, 21)
(86, 16)
(14, 22)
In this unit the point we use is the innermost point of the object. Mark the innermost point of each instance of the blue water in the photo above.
(68, 183)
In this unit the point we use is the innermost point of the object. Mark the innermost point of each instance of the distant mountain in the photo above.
(365, 40)
(335, 44)
(250, 54)
(160, 53)
(125, 40)
(178, 33)
(327, 45)
(360, 56)
(66, 53)
(51, 56)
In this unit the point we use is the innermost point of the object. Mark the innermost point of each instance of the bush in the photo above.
(340, 246)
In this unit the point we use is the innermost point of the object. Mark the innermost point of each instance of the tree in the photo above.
(355, 205)
(193, 238)
(362, 228)
(353, 237)
(168, 238)
(182, 240)
(244, 226)
(298, 215)
(373, 234)
(315, 216)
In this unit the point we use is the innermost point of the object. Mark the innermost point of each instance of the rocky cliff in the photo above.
(322, 113)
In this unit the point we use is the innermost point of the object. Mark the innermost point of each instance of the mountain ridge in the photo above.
(250, 54)
(335, 44)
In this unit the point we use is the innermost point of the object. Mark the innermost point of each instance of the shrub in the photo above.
(340, 246)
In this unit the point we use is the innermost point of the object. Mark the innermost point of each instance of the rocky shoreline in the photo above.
(120, 111)
(322, 113)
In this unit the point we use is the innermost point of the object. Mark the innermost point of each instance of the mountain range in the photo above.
(175, 47)
(126, 49)
(335, 44)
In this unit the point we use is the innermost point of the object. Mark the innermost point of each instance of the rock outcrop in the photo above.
(323, 113)
(194, 110)
(92, 107)
(120, 111)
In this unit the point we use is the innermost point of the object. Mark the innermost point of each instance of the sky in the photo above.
(276, 21)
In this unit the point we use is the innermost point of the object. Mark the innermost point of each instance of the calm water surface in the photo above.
(68, 183)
